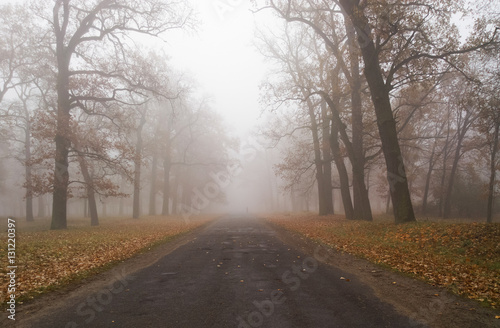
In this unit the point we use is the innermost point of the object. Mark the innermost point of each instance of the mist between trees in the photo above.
(371, 106)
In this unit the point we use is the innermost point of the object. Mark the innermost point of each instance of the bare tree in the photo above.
(77, 28)
(399, 44)
(137, 163)
(17, 49)
(19, 116)
(326, 27)
(291, 55)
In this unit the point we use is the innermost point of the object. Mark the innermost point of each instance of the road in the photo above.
(235, 273)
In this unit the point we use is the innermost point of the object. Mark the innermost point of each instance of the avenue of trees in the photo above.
(92, 116)
(393, 97)
(385, 105)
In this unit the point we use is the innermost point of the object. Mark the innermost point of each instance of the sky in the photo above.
(222, 58)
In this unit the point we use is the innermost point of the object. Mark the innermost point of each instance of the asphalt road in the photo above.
(236, 273)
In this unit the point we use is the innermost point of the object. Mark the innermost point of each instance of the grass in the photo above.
(48, 260)
(463, 257)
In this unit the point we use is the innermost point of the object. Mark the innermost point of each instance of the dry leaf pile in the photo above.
(464, 257)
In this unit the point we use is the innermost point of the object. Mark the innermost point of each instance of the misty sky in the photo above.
(222, 58)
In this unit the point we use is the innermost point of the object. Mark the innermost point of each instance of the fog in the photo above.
(182, 108)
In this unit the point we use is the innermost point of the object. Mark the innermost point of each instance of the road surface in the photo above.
(235, 273)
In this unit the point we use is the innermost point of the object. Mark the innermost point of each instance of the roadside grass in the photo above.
(463, 257)
(47, 260)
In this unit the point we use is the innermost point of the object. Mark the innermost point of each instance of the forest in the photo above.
(276, 163)
(370, 107)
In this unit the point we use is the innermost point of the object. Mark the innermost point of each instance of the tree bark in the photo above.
(445, 152)
(94, 218)
(398, 182)
(462, 131)
(175, 191)
(327, 160)
(137, 169)
(27, 156)
(61, 173)
(493, 168)
(362, 202)
(152, 192)
(341, 130)
(167, 165)
(343, 177)
(362, 207)
(166, 186)
(317, 158)
(428, 179)
(166, 181)
(154, 172)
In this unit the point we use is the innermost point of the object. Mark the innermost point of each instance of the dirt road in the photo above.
(238, 272)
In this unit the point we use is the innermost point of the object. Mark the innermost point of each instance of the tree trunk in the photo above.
(362, 207)
(166, 184)
(154, 172)
(398, 182)
(175, 191)
(152, 192)
(357, 167)
(270, 176)
(343, 177)
(428, 179)
(317, 158)
(327, 161)
(166, 173)
(121, 204)
(61, 173)
(441, 188)
(94, 218)
(363, 202)
(27, 154)
(493, 168)
(137, 169)
(451, 180)
(443, 174)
